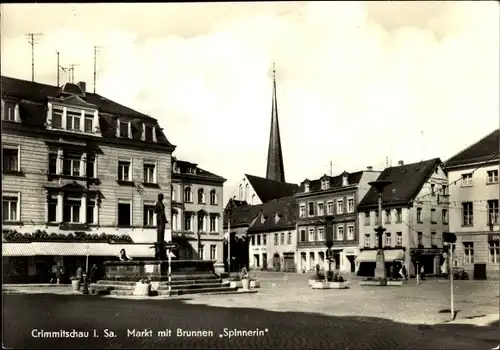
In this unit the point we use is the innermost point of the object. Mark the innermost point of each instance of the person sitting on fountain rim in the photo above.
(123, 256)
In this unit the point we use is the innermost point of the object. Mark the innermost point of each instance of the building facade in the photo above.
(273, 236)
(474, 218)
(81, 175)
(415, 215)
(197, 210)
(330, 198)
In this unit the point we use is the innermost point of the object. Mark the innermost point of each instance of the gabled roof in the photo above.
(242, 215)
(407, 180)
(335, 181)
(482, 150)
(269, 189)
(285, 208)
(33, 98)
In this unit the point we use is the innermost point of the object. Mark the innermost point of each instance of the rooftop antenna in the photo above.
(96, 51)
(72, 72)
(331, 169)
(32, 40)
(59, 69)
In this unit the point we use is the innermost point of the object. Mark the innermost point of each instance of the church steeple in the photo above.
(275, 169)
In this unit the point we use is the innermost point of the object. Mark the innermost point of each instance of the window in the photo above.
(247, 190)
(324, 184)
(149, 173)
(149, 215)
(492, 176)
(367, 218)
(148, 133)
(187, 222)
(57, 115)
(467, 214)
(302, 210)
(188, 196)
(432, 189)
(173, 194)
(329, 207)
(387, 216)
(201, 223)
(444, 189)
(419, 215)
(445, 216)
(306, 187)
(494, 251)
(10, 205)
(10, 159)
(213, 223)
(467, 180)
(213, 250)
(52, 209)
(124, 127)
(399, 216)
(52, 163)
(124, 213)
(311, 209)
(321, 209)
(420, 237)
(213, 197)
(201, 253)
(311, 235)
(282, 238)
(90, 212)
(367, 240)
(201, 196)
(9, 112)
(434, 239)
(124, 171)
(275, 239)
(89, 123)
(321, 234)
(399, 239)
(388, 239)
(493, 212)
(91, 168)
(302, 235)
(289, 238)
(340, 233)
(253, 199)
(340, 206)
(258, 239)
(375, 212)
(73, 120)
(71, 165)
(71, 210)
(469, 252)
(433, 216)
(350, 205)
(350, 232)
(241, 192)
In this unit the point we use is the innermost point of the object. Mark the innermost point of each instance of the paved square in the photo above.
(284, 314)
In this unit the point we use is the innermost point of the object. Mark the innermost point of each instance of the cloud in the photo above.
(357, 81)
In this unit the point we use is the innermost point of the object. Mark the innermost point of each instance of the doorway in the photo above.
(276, 262)
(264, 261)
(352, 262)
(336, 259)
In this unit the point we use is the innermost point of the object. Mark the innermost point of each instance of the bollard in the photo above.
(85, 289)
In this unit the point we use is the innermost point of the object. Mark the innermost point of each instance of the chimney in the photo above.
(400, 162)
(82, 85)
(369, 168)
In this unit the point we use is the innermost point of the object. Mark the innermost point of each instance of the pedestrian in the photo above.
(93, 274)
(405, 272)
(422, 273)
(58, 272)
(79, 272)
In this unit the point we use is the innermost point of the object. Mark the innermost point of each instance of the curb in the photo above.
(480, 321)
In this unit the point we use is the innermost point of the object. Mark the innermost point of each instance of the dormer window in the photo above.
(124, 129)
(73, 120)
(276, 218)
(324, 184)
(262, 219)
(89, 122)
(148, 133)
(9, 111)
(306, 186)
(345, 181)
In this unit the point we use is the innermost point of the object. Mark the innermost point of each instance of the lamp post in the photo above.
(380, 273)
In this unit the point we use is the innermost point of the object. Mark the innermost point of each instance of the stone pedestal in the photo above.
(380, 273)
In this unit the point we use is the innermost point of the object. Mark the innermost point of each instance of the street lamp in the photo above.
(380, 273)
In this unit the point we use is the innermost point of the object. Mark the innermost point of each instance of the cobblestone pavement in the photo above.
(323, 325)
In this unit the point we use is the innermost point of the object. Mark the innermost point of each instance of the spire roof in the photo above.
(275, 169)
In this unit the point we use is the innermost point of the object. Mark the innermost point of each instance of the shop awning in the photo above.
(389, 255)
(76, 249)
(17, 249)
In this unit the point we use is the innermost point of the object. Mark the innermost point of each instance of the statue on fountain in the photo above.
(161, 221)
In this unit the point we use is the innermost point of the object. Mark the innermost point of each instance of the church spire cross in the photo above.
(275, 169)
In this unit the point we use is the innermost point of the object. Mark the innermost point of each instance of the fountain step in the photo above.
(164, 282)
(213, 290)
(175, 277)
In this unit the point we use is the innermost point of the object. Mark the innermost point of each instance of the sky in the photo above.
(357, 83)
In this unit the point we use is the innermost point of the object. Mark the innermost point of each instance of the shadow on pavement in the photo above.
(26, 315)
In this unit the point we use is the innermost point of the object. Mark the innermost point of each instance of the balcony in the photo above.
(443, 199)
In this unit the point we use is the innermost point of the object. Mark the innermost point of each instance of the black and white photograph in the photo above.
(251, 175)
